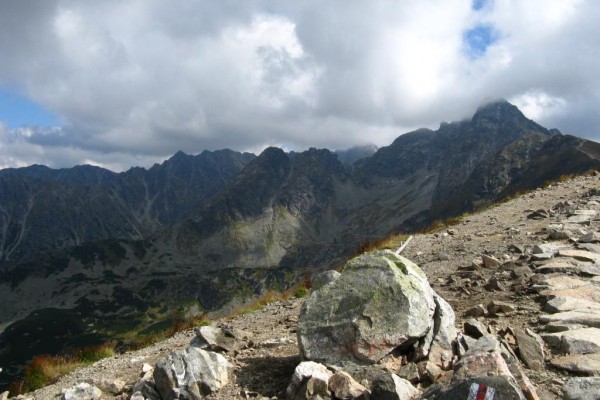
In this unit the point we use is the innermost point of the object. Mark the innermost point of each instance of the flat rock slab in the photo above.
(588, 292)
(581, 255)
(582, 389)
(558, 282)
(566, 303)
(568, 268)
(531, 348)
(590, 318)
(549, 248)
(588, 364)
(578, 341)
(594, 248)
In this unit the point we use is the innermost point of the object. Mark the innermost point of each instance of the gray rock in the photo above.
(531, 348)
(583, 269)
(441, 350)
(541, 256)
(520, 272)
(309, 379)
(463, 344)
(591, 237)
(584, 317)
(594, 248)
(588, 364)
(392, 387)
(565, 303)
(496, 308)
(555, 327)
(495, 284)
(343, 386)
(380, 302)
(191, 373)
(146, 390)
(490, 262)
(499, 387)
(410, 372)
(477, 311)
(217, 339)
(548, 248)
(581, 216)
(578, 341)
(474, 328)
(538, 214)
(557, 282)
(324, 278)
(82, 391)
(581, 255)
(582, 389)
(514, 248)
(114, 386)
(485, 344)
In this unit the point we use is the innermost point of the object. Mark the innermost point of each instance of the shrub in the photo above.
(301, 292)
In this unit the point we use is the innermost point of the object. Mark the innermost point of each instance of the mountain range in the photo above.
(98, 253)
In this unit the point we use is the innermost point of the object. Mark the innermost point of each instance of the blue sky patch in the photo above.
(479, 4)
(17, 111)
(476, 40)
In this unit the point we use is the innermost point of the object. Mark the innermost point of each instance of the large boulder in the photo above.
(380, 303)
(191, 374)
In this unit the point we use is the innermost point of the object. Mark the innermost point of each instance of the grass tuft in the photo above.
(44, 370)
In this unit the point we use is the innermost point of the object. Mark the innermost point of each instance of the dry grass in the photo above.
(44, 369)
(301, 289)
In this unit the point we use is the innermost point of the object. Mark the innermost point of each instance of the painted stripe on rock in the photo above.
(480, 391)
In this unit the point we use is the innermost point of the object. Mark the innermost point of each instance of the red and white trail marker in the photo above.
(479, 391)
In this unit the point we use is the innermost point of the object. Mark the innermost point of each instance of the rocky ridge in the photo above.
(522, 279)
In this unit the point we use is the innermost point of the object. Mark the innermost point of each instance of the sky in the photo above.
(128, 83)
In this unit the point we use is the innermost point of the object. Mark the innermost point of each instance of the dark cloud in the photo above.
(133, 82)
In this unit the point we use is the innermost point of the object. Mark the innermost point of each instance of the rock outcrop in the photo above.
(191, 374)
(380, 304)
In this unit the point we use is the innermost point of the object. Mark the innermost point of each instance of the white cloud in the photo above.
(538, 105)
(136, 81)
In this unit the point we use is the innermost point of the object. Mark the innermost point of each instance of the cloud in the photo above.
(133, 82)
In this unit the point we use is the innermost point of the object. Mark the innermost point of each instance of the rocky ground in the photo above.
(524, 270)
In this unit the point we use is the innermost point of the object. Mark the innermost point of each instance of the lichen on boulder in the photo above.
(381, 302)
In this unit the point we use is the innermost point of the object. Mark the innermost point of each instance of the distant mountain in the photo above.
(352, 154)
(43, 209)
(219, 227)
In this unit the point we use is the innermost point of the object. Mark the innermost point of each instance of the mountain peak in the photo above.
(496, 111)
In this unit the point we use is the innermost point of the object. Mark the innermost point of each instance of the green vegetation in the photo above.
(301, 292)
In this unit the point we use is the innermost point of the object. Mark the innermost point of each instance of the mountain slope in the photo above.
(227, 226)
(43, 209)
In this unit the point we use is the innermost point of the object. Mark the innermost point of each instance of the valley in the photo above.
(125, 253)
